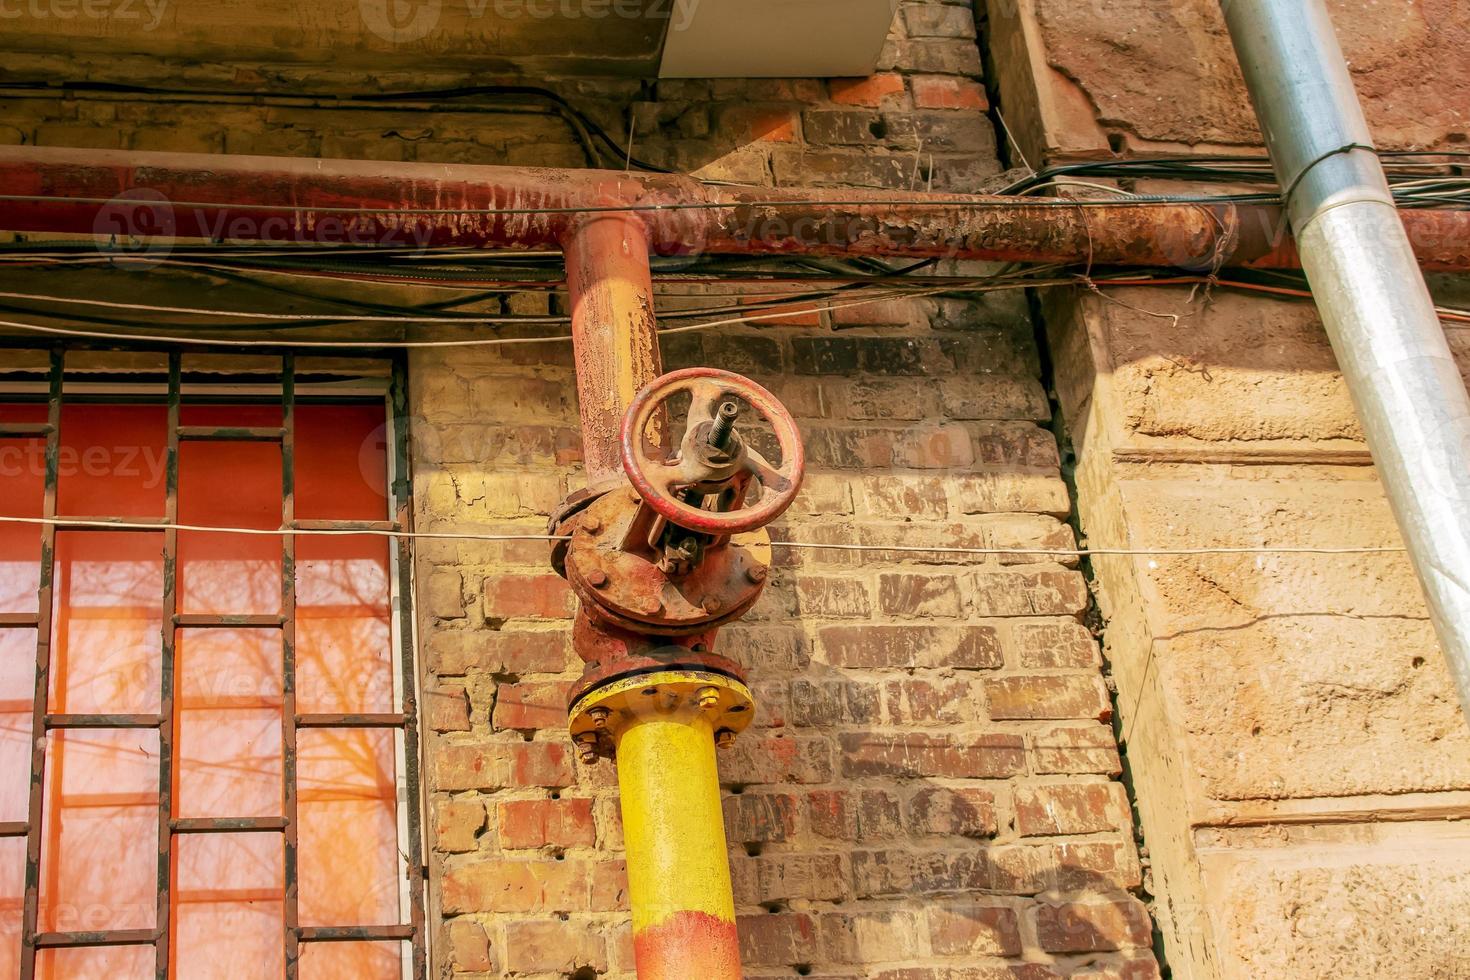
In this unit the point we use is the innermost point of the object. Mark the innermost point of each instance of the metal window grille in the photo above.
(171, 827)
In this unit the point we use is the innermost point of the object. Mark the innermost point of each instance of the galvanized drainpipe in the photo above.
(1371, 294)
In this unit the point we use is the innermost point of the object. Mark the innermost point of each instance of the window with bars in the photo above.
(208, 744)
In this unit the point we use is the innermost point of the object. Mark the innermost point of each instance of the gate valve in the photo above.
(712, 458)
(683, 550)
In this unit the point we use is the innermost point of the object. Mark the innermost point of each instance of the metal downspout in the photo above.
(1371, 294)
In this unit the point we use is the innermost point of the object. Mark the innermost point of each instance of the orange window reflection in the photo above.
(100, 801)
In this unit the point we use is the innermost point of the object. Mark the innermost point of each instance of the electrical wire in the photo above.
(82, 524)
(588, 133)
(467, 342)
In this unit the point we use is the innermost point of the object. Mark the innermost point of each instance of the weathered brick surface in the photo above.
(885, 815)
(908, 702)
(1096, 70)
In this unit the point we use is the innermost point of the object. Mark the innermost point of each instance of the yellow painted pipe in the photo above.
(678, 869)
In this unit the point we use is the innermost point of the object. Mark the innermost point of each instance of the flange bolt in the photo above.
(588, 744)
(724, 738)
(709, 698)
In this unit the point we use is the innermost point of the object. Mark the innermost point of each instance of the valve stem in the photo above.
(719, 433)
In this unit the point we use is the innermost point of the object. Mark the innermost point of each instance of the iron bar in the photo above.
(401, 493)
(12, 621)
(24, 430)
(261, 621)
(386, 720)
(99, 722)
(192, 196)
(206, 433)
(14, 828)
(354, 934)
(30, 910)
(168, 729)
(1374, 302)
(91, 940)
(344, 526)
(289, 801)
(225, 825)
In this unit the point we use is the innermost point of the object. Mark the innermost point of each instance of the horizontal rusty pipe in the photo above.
(280, 199)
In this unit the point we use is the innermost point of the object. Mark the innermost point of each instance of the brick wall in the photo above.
(1294, 742)
(929, 792)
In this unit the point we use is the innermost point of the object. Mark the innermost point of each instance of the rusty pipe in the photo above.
(295, 200)
(614, 333)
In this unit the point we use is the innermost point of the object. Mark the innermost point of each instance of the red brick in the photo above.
(871, 92)
(957, 812)
(458, 824)
(553, 946)
(912, 755)
(886, 313)
(760, 818)
(541, 823)
(609, 887)
(964, 647)
(1046, 698)
(467, 947)
(515, 886)
(1056, 644)
(543, 764)
(755, 123)
(854, 815)
(935, 447)
(777, 760)
(794, 314)
(784, 939)
(531, 705)
(833, 702)
(948, 92)
(527, 597)
(784, 877)
(447, 709)
(1093, 925)
(924, 596)
(1092, 865)
(919, 703)
(832, 597)
(492, 765)
(1075, 750)
(974, 928)
(1014, 869)
(870, 936)
(1030, 592)
(1070, 808)
(457, 652)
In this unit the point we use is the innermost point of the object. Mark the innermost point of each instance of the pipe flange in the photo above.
(600, 717)
(627, 590)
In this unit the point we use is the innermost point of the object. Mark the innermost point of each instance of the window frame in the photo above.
(288, 388)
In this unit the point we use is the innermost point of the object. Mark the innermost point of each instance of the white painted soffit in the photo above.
(775, 38)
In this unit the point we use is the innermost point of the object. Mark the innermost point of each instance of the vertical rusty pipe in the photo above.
(614, 333)
(678, 870)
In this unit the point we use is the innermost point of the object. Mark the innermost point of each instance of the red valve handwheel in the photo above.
(660, 481)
